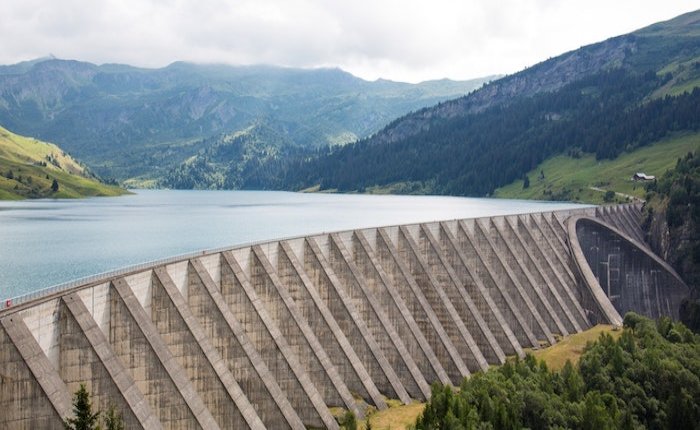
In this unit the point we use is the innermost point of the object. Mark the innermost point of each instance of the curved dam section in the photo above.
(622, 273)
(279, 334)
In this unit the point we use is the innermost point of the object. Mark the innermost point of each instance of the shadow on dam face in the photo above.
(279, 334)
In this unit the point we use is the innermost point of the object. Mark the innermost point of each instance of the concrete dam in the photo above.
(279, 334)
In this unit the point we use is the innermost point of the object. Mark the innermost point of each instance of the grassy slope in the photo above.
(568, 178)
(685, 77)
(571, 347)
(22, 156)
(396, 417)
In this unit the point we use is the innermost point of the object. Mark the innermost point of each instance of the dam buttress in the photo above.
(276, 334)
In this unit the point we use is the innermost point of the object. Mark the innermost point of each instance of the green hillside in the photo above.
(605, 100)
(132, 123)
(28, 168)
(585, 179)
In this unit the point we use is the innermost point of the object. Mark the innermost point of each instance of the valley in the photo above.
(296, 241)
(579, 118)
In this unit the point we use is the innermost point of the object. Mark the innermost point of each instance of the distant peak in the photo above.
(49, 57)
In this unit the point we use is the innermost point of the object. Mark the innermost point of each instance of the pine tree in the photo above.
(82, 408)
(54, 186)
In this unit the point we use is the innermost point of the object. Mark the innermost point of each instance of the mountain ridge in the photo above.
(126, 121)
(588, 100)
(572, 64)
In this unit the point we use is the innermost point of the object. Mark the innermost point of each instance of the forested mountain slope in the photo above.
(126, 122)
(603, 99)
(230, 160)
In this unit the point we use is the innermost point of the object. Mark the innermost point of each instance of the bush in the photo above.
(349, 421)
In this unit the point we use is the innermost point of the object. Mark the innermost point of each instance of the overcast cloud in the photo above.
(408, 40)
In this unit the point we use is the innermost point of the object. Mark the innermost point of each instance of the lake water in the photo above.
(47, 242)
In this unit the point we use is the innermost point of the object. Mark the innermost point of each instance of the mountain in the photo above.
(30, 168)
(128, 122)
(601, 100)
(230, 160)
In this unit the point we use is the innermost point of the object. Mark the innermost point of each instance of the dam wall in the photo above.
(280, 334)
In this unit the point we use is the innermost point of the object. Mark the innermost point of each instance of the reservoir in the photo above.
(48, 242)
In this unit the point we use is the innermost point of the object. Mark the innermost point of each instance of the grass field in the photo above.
(573, 179)
(28, 168)
(396, 417)
(571, 347)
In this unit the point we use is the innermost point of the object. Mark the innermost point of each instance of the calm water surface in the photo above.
(47, 242)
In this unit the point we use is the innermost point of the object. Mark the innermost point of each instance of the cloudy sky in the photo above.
(408, 40)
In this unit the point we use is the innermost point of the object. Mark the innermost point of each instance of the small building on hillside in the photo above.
(639, 176)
